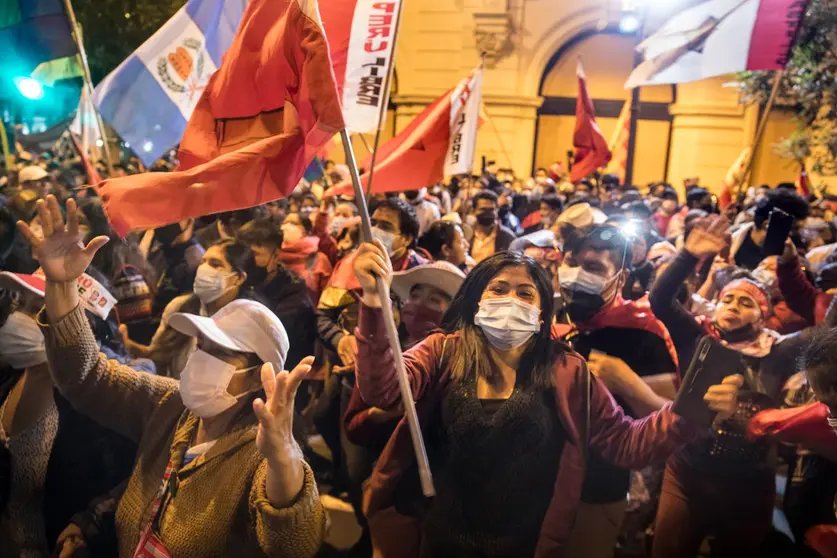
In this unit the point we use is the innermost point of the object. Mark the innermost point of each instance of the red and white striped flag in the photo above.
(720, 37)
(361, 37)
(442, 137)
(618, 143)
(260, 121)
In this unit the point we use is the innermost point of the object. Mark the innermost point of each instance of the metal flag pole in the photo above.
(759, 134)
(382, 111)
(392, 333)
(88, 81)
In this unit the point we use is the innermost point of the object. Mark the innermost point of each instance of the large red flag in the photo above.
(417, 156)
(591, 150)
(258, 124)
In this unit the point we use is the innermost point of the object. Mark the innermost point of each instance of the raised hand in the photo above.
(60, 252)
(708, 237)
(370, 263)
(275, 438)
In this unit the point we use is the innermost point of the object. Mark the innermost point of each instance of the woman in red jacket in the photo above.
(503, 409)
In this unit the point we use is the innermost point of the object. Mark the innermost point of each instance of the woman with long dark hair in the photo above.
(505, 409)
(221, 278)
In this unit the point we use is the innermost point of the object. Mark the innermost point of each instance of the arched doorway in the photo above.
(608, 59)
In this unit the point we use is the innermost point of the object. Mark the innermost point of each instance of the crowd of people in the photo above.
(159, 394)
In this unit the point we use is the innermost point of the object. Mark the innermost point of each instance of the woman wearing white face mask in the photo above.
(218, 471)
(220, 279)
(54, 460)
(502, 406)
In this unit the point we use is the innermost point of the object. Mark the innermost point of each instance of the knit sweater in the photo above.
(218, 505)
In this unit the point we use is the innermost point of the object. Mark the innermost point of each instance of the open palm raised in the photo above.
(708, 237)
(61, 253)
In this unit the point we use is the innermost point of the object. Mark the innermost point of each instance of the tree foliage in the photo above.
(808, 88)
(113, 29)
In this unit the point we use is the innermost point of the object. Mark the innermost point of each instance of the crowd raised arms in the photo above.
(225, 385)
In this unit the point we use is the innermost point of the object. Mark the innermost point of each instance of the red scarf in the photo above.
(633, 314)
(297, 253)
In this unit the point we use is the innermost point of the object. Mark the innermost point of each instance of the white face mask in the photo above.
(386, 238)
(204, 382)
(506, 322)
(576, 279)
(210, 283)
(336, 225)
(21, 342)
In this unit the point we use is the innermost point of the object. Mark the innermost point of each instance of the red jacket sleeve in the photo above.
(375, 372)
(633, 443)
(799, 293)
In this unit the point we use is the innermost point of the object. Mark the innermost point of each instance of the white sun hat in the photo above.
(244, 326)
(441, 275)
(581, 215)
(30, 173)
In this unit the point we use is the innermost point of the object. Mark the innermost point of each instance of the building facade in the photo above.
(532, 47)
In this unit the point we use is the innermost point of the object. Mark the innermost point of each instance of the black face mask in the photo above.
(580, 306)
(742, 333)
(256, 275)
(487, 218)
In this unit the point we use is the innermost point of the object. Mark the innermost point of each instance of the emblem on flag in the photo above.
(188, 77)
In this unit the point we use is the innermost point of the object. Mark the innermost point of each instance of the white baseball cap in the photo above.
(441, 275)
(32, 172)
(244, 326)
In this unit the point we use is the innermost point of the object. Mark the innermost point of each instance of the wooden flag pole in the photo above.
(425, 476)
(88, 81)
(771, 100)
(382, 111)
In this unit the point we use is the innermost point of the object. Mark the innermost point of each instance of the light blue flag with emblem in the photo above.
(149, 98)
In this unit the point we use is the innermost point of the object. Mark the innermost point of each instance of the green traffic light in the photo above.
(29, 88)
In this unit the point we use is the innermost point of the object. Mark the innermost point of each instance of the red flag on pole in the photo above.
(802, 184)
(261, 119)
(591, 150)
(418, 155)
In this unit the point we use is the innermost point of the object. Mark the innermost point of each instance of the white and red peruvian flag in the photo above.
(720, 37)
(437, 140)
(465, 107)
(361, 37)
(618, 144)
(260, 121)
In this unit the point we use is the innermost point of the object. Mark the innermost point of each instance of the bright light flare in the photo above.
(629, 24)
(29, 88)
